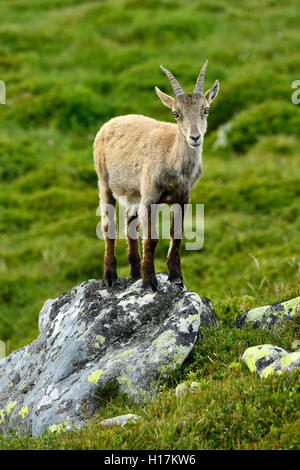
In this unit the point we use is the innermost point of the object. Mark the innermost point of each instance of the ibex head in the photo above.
(190, 109)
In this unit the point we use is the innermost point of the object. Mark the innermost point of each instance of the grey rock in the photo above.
(93, 337)
(295, 345)
(120, 420)
(267, 359)
(270, 316)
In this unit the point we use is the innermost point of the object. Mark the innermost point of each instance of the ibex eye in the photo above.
(175, 114)
(206, 111)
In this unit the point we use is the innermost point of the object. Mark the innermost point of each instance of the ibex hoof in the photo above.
(150, 285)
(110, 279)
(177, 280)
(135, 274)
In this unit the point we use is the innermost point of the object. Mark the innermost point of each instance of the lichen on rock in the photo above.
(270, 316)
(268, 359)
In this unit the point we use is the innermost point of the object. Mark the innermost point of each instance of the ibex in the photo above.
(150, 162)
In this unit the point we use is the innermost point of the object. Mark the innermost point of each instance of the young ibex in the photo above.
(151, 162)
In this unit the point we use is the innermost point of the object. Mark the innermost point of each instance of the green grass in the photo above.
(70, 66)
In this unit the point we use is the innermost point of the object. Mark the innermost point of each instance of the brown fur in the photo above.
(134, 256)
(110, 262)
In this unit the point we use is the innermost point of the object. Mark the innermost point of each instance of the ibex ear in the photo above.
(212, 92)
(165, 99)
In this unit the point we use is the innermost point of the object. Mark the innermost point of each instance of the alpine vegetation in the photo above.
(150, 162)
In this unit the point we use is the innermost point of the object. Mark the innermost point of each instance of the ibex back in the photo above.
(147, 162)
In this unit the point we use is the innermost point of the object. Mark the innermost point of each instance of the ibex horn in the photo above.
(200, 81)
(175, 85)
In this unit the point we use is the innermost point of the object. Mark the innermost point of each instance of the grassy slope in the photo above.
(69, 66)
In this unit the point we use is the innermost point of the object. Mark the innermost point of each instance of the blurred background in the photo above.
(71, 65)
